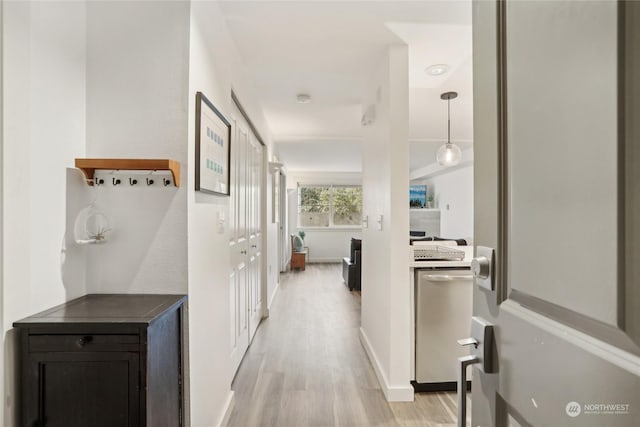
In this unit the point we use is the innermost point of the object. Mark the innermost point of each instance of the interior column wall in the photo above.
(1, 199)
(386, 318)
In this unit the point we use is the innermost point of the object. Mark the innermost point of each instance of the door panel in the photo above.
(67, 394)
(238, 247)
(556, 197)
(255, 237)
(242, 142)
(631, 154)
(239, 323)
(562, 109)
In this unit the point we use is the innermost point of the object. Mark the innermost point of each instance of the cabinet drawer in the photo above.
(84, 342)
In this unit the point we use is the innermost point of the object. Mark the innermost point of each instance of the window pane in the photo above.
(347, 206)
(314, 206)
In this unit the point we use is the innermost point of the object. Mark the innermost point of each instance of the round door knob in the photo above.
(480, 267)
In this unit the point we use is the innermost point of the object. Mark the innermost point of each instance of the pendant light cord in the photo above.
(449, 121)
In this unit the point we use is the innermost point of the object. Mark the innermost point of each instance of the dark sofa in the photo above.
(352, 266)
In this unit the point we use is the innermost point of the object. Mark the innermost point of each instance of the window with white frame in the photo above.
(329, 206)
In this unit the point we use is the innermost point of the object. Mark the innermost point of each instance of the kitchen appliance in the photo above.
(429, 251)
(443, 299)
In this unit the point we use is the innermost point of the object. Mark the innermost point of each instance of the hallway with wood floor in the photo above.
(307, 367)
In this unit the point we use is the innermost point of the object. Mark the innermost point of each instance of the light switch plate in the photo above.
(220, 219)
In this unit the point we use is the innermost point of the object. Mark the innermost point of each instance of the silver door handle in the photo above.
(481, 267)
(463, 362)
(468, 341)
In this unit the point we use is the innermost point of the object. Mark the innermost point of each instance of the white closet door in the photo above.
(245, 243)
(255, 235)
(238, 245)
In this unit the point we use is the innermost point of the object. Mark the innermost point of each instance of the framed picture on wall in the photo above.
(417, 196)
(213, 143)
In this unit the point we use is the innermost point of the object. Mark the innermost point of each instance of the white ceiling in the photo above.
(327, 48)
(321, 156)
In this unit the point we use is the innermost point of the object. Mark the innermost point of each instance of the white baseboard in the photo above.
(227, 410)
(392, 393)
(275, 292)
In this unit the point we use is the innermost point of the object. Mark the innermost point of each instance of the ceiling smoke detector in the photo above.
(437, 69)
(303, 98)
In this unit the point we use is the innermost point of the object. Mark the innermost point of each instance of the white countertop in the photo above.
(466, 262)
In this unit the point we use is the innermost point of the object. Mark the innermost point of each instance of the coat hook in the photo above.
(98, 181)
(149, 181)
(133, 181)
(115, 181)
(166, 181)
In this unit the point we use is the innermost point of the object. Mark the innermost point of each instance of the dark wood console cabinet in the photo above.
(103, 361)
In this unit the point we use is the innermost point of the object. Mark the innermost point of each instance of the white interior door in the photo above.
(246, 241)
(255, 162)
(238, 245)
(557, 195)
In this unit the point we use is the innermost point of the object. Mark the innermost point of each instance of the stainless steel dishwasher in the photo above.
(444, 301)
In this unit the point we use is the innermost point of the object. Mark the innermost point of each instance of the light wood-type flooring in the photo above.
(307, 367)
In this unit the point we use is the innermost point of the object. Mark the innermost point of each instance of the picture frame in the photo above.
(213, 149)
(417, 196)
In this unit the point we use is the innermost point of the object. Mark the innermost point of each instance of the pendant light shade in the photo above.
(449, 154)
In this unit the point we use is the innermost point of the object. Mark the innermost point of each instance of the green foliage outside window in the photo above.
(329, 206)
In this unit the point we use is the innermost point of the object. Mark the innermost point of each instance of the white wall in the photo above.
(44, 130)
(208, 275)
(215, 68)
(117, 79)
(453, 195)
(272, 258)
(137, 75)
(425, 220)
(386, 300)
(329, 245)
(1, 205)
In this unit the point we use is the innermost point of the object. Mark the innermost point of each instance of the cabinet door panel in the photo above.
(82, 389)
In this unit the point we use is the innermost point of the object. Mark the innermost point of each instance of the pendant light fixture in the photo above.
(449, 154)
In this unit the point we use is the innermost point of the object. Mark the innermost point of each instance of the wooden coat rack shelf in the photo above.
(89, 166)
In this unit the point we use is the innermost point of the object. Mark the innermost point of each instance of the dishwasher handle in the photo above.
(446, 277)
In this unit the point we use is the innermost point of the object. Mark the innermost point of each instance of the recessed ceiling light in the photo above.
(303, 98)
(437, 69)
